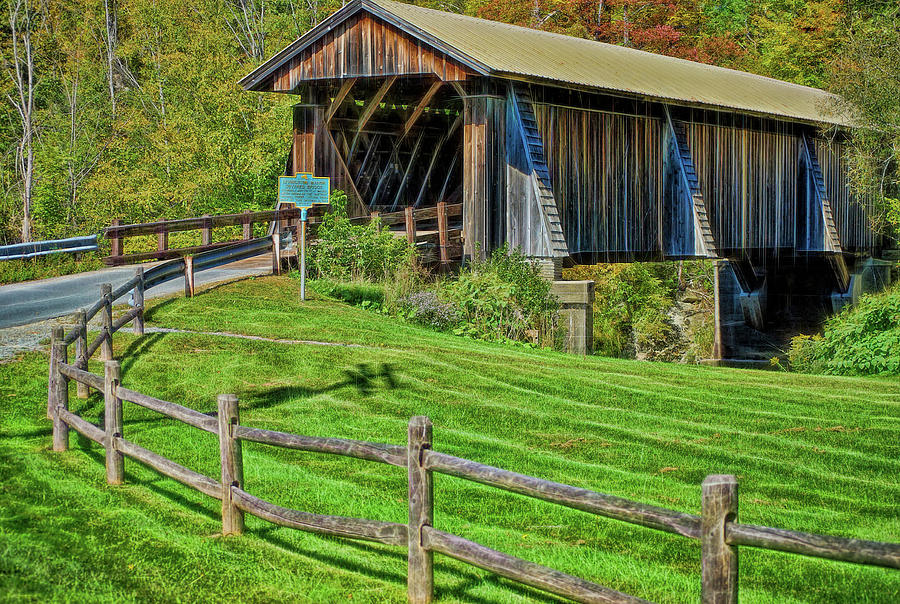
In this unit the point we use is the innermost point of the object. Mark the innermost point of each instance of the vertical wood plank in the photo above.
(106, 348)
(60, 390)
(232, 464)
(442, 231)
(139, 301)
(420, 575)
(112, 422)
(81, 361)
(719, 560)
(410, 225)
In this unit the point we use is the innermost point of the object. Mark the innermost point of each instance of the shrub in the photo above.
(656, 311)
(344, 251)
(503, 298)
(426, 308)
(861, 340)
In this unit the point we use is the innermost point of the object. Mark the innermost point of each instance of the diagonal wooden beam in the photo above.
(372, 105)
(420, 108)
(434, 157)
(346, 87)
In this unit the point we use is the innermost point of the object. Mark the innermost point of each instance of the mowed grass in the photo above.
(818, 454)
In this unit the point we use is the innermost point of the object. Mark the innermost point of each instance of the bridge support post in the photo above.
(576, 314)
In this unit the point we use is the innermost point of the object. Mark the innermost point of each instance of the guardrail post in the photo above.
(116, 240)
(719, 561)
(81, 361)
(188, 276)
(276, 253)
(420, 573)
(112, 422)
(232, 464)
(106, 348)
(59, 390)
(247, 226)
(206, 234)
(410, 224)
(139, 301)
(442, 231)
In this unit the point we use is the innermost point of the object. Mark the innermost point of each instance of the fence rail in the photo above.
(33, 249)
(716, 528)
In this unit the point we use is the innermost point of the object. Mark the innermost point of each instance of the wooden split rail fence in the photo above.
(717, 529)
(426, 228)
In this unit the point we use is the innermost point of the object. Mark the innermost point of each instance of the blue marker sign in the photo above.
(304, 190)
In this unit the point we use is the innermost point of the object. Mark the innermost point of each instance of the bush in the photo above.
(861, 340)
(503, 298)
(426, 308)
(344, 251)
(647, 310)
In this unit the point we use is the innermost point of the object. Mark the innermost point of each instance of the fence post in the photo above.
(442, 231)
(246, 226)
(112, 422)
(139, 301)
(106, 348)
(162, 238)
(410, 224)
(719, 561)
(188, 276)
(276, 253)
(206, 235)
(420, 573)
(232, 464)
(51, 376)
(116, 240)
(59, 385)
(81, 361)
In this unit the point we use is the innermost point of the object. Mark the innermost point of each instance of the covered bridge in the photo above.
(577, 151)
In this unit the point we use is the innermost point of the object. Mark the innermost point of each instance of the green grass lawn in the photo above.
(812, 453)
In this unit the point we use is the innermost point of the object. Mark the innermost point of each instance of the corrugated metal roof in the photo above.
(519, 52)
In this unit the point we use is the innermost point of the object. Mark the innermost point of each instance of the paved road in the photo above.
(24, 303)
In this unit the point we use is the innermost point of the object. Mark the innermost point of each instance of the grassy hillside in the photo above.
(812, 453)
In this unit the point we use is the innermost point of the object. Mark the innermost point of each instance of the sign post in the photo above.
(304, 191)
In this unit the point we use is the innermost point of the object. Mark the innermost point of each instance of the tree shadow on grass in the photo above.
(366, 378)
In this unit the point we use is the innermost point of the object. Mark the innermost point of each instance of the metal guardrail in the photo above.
(32, 249)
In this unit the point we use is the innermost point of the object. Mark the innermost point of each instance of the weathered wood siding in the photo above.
(618, 192)
(749, 175)
(851, 212)
(484, 174)
(607, 175)
(365, 46)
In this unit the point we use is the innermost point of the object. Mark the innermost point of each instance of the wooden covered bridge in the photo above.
(578, 152)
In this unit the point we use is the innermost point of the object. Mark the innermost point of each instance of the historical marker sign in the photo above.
(304, 190)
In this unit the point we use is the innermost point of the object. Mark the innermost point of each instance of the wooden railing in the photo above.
(117, 232)
(436, 243)
(716, 528)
